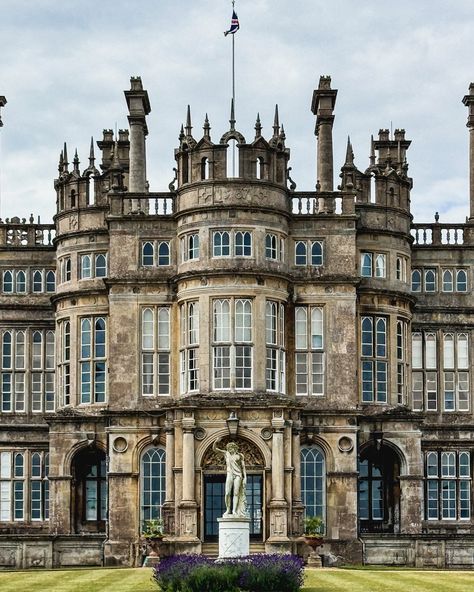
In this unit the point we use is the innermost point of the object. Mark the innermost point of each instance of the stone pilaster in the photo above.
(278, 507)
(411, 506)
(168, 506)
(297, 508)
(188, 517)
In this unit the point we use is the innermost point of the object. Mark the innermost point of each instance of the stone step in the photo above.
(212, 549)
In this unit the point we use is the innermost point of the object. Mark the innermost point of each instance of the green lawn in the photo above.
(317, 580)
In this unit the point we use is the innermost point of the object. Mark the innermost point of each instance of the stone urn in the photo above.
(314, 542)
(154, 546)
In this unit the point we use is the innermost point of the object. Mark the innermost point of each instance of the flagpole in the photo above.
(233, 90)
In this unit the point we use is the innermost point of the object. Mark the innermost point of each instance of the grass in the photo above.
(317, 580)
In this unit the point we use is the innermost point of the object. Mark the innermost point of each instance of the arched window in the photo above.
(259, 168)
(300, 253)
(19, 486)
(313, 481)
(416, 280)
(243, 244)
(89, 501)
(7, 282)
(430, 280)
(461, 281)
(232, 165)
(164, 253)
(73, 199)
(100, 265)
(204, 168)
(380, 266)
(20, 282)
(316, 328)
(316, 253)
(37, 281)
(50, 281)
(152, 481)
(447, 280)
(148, 253)
(85, 267)
(68, 269)
(221, 244)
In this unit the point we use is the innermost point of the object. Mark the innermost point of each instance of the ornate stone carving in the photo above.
(253, 457)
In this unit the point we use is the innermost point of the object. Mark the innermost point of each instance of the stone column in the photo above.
(297, 502)
(468, 100)
(187, 528)
(324, 100)
(278, 540)
(168, 506)
(138, 106)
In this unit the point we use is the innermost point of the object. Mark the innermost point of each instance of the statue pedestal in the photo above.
(234, 536)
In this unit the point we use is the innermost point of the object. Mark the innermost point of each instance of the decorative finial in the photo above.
(276, 123)
(282, 133)
(232, 115)
(181, 133)
(207, 128)
(372, 151)
(349, 152)
(258, 127)
(91, 153)
(436, 217)
(65, 162)
(76, 162)
(188, 127)
(61, 162)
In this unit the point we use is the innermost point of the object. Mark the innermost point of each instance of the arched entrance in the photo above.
(214, 476)
(379, 490)
(89, 490)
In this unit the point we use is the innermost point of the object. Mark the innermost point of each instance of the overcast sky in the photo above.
(64, 66)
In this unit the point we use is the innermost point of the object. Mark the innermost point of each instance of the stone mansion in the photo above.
(324, 331)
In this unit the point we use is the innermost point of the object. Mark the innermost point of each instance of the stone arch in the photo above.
(77, 448)
(142, 445)
(395, 447)
(317, 440)
(259, 450)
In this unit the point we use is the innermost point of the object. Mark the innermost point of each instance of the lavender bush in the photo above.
(255, 573)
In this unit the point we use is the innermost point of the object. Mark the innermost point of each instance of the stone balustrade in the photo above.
(436, 234)
(307, 203)
(16, 232)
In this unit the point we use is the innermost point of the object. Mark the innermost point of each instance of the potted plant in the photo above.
(153, 533)
(313, 531)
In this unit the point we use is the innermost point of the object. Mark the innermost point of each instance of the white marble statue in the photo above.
(236, 481)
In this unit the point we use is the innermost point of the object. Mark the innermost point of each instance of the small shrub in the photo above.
(256, 573)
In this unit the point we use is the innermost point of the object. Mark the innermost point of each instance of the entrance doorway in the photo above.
(379, 490)
(89, 491)
(214, 505)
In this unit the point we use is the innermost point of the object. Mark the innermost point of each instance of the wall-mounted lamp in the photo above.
(232, 424)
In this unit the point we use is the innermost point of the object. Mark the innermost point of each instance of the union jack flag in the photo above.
(234, 25)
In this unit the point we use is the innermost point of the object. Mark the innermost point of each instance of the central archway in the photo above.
(214, 476)
(89, 490)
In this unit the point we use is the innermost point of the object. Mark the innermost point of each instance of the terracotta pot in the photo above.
(154, 544)
(314, 541)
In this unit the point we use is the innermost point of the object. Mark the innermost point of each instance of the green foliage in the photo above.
(313, 526)
(212, 579)
(153, 529)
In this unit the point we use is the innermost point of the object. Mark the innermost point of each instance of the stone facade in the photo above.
(324, 330)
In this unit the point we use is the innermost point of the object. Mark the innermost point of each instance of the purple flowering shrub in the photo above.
(255, 573)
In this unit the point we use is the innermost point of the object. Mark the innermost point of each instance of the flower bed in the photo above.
(255, 573)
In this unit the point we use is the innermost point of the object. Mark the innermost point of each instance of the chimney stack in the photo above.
(324, 100)
(138, 107)
(468, 100)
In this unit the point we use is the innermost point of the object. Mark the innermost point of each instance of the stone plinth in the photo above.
(234, 536)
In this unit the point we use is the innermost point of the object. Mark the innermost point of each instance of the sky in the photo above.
(65, 64)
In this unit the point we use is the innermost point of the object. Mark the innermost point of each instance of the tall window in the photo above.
(313, 481)
(190, 247)
(152, 481)
(232, 344)
(189, 347)
(24, 486)
(156, 350)
(402, 361)
(448, 485)
(93, 361)
(309, 345)
(275, 340)
(7, 284)
(401, 270)
(21, 282)
(274, 247)
(416, 280)
(374, 359)
(27, 367)
(453, 380)
(86, 267)
(38, 281)
(64, 363)
(373, 265)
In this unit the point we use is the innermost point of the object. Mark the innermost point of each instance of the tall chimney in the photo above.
(138, 107)
(322, 106)
(468, 100)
